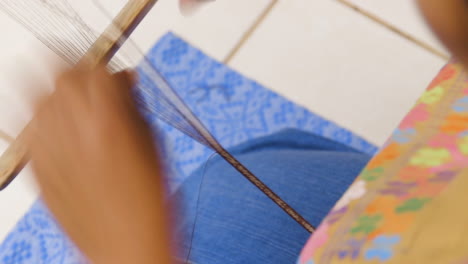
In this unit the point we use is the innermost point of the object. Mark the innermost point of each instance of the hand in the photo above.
(188, 7)
(95, 163)
(449, 20)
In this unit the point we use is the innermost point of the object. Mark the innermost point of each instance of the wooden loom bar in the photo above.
(106, 46)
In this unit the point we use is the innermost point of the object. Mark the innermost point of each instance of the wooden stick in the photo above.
(15, 157)
(396, 30)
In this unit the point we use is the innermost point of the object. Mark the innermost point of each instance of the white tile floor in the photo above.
(320, 53)
(403, 14)
(336, 62)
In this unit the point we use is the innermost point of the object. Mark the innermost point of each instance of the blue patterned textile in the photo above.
(235, 109)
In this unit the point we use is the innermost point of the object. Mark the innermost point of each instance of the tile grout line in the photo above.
(246, 36)
(396, 30)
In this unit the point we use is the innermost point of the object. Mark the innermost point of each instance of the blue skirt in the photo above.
(225, 219)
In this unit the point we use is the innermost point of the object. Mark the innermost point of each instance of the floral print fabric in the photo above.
(405, 207)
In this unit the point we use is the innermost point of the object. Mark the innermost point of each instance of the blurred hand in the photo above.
(188, 7)
(95, 163)
(449, 20)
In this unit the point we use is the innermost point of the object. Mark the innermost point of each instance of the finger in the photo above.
(188, 7)
(40, 101)
(449, 20)
(127, 80)
(128, 77)
(72, 85)
(40, 96)
(111, 90)
(47, 150)
(71, 103)
(41, 109)
(41, 145)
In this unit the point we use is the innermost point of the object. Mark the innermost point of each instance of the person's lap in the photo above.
(236, 223)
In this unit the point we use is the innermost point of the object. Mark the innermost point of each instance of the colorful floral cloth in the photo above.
(407, 204)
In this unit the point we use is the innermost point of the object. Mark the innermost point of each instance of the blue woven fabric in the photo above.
(226, 219)
(234, 108)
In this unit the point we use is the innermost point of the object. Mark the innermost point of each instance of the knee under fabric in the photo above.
(236, 223)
